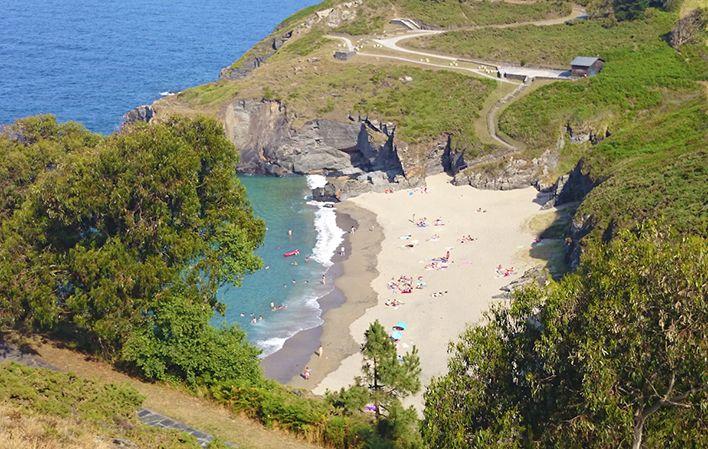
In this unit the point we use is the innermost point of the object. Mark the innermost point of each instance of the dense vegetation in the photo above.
(120, 243)
(555, 45)
(611, 356)
(41, 408)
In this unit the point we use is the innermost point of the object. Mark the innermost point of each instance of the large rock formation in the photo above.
(269, 144)
(504, 171)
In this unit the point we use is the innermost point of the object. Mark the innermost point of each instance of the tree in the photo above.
(613, 355)
(123, 233)
(388, 378)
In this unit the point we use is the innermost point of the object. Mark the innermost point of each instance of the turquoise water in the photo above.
(291, 281)
(92, 60)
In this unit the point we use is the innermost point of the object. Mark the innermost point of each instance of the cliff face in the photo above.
(269, 144)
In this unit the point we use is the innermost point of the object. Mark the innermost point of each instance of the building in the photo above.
(344, 55)
(586, 66)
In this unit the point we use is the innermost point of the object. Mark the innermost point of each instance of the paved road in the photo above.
(394, 43)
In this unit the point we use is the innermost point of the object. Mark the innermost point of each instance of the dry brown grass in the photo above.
(23, 429)
(199, 413)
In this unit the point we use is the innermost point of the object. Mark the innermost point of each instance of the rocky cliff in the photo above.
(270, 144)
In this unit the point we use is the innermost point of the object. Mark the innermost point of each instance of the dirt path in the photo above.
(394, 44)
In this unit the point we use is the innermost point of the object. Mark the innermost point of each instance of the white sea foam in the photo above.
(303, 314)
(315, 181)
(271, 345)
(329, 235)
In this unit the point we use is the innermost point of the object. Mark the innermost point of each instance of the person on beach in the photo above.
(306, 373)
(319, 351)
(324, 279)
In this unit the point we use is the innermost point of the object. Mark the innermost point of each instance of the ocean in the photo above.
(91, 61)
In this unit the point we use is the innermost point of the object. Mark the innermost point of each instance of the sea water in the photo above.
(292, 284)
(91, 61)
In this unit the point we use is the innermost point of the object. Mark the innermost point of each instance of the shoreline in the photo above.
(495, 251)
(350, 274)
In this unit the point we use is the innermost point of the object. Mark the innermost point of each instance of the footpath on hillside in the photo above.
(164, 406)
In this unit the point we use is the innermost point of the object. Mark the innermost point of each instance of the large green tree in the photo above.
(124, 232)
(611, 356)
(388, 378)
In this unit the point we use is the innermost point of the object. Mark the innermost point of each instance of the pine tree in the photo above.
(388, 378)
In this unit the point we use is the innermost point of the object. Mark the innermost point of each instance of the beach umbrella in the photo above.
(396, 335)
(401, 325)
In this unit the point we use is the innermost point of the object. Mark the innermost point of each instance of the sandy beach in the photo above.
(455, 292)
(355, 272)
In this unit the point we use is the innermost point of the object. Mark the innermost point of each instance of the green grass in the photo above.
(373, 14)
(554, 45)
(91, 408)
(363, 25)
(209, 94)
(655, 168)
(434, 103)
(307, 44)
(632, 82)
(451, 13)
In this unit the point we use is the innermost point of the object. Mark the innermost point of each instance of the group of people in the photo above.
(505, 272)
(405, 284)
(467, 239)
(423, 222)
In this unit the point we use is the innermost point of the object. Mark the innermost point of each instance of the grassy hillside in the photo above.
(48, 410)
(553, 46)
(374, 14)
(651, 100)
(424, 103)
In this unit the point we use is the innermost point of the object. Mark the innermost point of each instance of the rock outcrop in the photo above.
(143, 113)
(269, 144)
(533, 276)
(505, 171)
(688, 30)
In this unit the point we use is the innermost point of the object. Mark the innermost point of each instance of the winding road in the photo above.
(510, 74)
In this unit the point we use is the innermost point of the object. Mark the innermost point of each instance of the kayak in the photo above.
(294, 252)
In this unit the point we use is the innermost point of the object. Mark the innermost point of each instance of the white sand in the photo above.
(503, 237)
